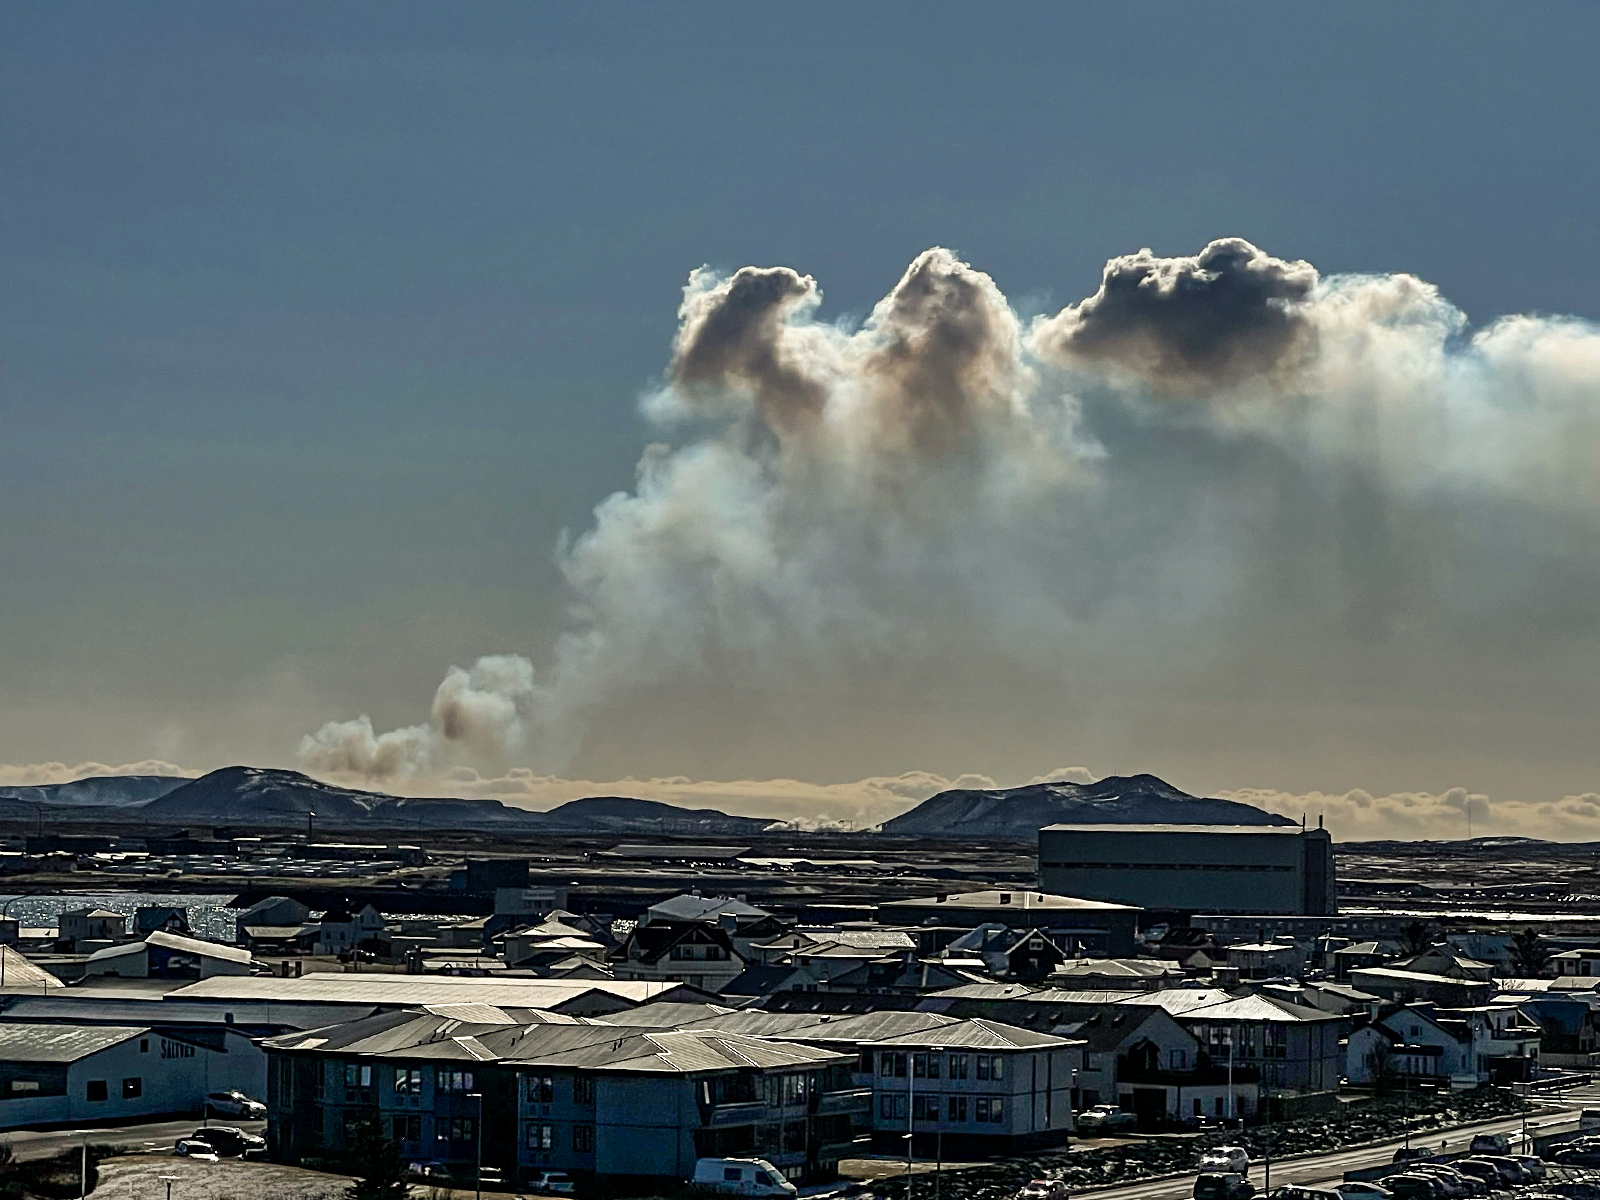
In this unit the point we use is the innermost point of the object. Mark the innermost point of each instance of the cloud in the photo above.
(939, 492)
(1358, 815)
(1225, 314)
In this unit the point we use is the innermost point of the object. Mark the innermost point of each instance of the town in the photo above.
(618, 1018)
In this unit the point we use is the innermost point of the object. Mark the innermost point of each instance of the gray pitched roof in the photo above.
(61, 1043)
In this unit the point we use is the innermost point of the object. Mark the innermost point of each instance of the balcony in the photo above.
(742, 1112)
(846, 1100)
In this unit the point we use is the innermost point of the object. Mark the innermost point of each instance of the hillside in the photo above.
(1021, 811)
(625, 814)
(101, 791)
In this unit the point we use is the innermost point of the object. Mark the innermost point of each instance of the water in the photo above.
(209, 916)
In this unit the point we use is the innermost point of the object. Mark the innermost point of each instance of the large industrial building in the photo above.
(1192, 868)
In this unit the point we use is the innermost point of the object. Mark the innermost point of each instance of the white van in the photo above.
(742, 1177)
(1225, 1160)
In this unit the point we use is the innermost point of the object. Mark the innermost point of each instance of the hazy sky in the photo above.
(321, 323)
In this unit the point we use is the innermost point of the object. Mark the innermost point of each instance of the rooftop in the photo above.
(1012, 902)
(384, 989)
(60, 1043)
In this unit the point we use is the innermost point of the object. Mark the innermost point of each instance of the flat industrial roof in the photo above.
(1284, 829)
(1014, 901)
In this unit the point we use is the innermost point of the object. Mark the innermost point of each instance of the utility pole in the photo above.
(911, 1114)
(478, 1137)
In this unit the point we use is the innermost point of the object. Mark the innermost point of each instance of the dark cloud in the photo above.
(735, 336)
(947, 348)
(1224, 314)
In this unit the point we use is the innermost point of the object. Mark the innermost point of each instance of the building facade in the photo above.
(1192, 868)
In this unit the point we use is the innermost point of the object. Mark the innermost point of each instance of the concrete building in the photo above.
(1075, 925)
(66, 1074)
(81, 925)
(981, 1087)
(169, 956)
(619, 1108)
(1192, 868)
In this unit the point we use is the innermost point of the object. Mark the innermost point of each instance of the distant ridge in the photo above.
(1020, 812)
(270, 797)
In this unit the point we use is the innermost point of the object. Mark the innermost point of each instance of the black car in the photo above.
(231, 1142)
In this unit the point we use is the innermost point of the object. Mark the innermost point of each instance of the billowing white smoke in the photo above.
(846, 497)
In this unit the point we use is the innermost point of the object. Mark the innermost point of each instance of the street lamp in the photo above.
(168, 1180)
(477, 1131)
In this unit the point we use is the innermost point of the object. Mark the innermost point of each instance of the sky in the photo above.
(355, 416)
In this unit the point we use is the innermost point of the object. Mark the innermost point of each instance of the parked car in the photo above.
(1410, 1154)
(1411, 1186)
(1533, 1164)
(1577, 1156)
(1106, 1116)
(1473, 1185)
(1510, 1174)
(1223, 1185)
(1490, 1143)
(1358, 1190)
(1296, 1192)
(1510, 1162)
(553, 1183)
(742, 1177)
(1224, 1160)
(1453, 1186)
(1044, 1189)
(235, 1104)
(231, 1142)
(194, 1148)
(428, 1171)
(1485, 1173)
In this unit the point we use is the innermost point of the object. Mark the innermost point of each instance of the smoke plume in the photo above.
(1219, 458)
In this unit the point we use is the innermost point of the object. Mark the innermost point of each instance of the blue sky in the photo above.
(321, 322)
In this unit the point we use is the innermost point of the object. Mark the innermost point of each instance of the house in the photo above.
(150, 917)
(872, 941)
(1583, 963)
(1078, 926)
(1144, 1061)
(1568, 1037)
(1265, 960)
(80, 925)
(76, 1074)
(273, 911)
(548, 942)
(169, 956)
(342, 931)
(1446, 961)
(976, 1086)
(1295, 1047)
(1360, 955)
(900, 974)
(1405, 986)
(621, 1109)
(763, 979)
(1007, 953)
(700, 954)
(1422, 1041)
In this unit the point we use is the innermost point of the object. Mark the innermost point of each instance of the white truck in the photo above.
(742, 1177)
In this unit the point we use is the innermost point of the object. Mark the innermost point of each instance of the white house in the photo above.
(1465, 1045)
(61, 1074)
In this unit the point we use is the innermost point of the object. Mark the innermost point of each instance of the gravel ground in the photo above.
(135, 1177)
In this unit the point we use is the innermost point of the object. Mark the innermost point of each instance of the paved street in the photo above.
(153, 1136)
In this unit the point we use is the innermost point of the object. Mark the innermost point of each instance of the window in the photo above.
(408, 1129)
(925, 1108)
(1179, 1060)
(991, 1066)
(133, 1088)
(892, 1106)
(732, 1174)
(358, 1081)
(958, 1066)
(991, 1108)
(541, 1089)
(796, 1088)
(583, 1089)
(583, 1138)
(957, 1108)
(890, 1063)
(925, 1066)
(24, 1085)
(144, 1045)
(456, 1129)
(408, 1081)
(454, 1082)
(682, 952)
(541, 1137)
(95, 1091)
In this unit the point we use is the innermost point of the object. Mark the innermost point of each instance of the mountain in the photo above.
(100, 791)
(624, 814)
(1020, 812)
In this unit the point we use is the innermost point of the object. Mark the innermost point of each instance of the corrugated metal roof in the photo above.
(1016, 901)
(61, 1043)
(412, 990)
(976, 1034)
(21, 973)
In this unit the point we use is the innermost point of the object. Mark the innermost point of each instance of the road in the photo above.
(154, 1136)
(1327, 1169)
